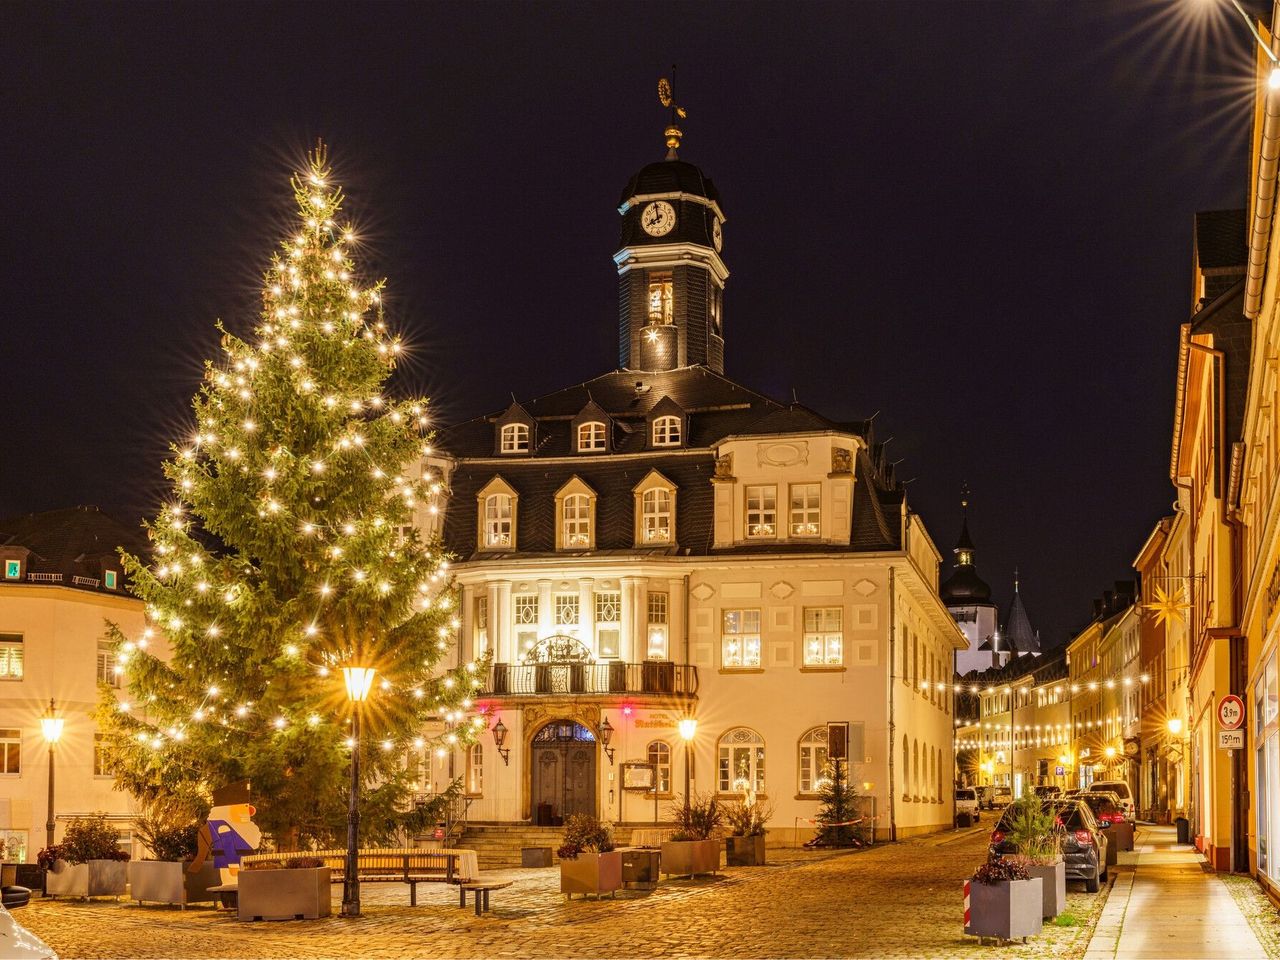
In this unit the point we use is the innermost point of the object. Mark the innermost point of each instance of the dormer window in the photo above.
(577, 521)
(497, 521)
(591, 437)
(515, 438)
(660, 298)
(655, 515)
(666, 432)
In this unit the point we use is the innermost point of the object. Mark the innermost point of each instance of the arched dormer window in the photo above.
(655, 511)
(496, 516)
(575, 516)
(515, 438)
(667, 432)
(592, 437)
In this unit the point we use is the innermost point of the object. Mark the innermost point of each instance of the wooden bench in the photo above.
(480, 890)
(403, 865)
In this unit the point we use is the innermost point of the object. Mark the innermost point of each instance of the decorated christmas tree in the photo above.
(285, 553)
(839, 807)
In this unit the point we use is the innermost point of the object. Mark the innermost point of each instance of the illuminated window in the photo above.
(11, 751)
(660, 300)
(657, 626)
(13, 569)
(740, 640)
(100, 756)
(762, 511)
(813, 760)
(515, 438)
(577, 521)
(823, 636)
(109, 579)
(659, 754)
(741, 761)
(655, 511)
(805, 513)
(591, 436)
(497, 520)
(475, 770)
(566, 609)
(108, 670)
(10, 656)
(608, 607)
(666, 432)
(526, 619)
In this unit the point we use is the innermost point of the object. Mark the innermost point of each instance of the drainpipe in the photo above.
(1264, 203)
(893, 745)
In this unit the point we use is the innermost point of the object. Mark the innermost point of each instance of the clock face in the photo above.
(658, 218)
(717, 237)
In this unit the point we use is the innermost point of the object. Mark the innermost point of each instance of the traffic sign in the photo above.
(1230, 712)
(1059, 771)
(1230, 739)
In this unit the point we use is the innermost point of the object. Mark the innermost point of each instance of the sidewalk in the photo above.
(1166, 906)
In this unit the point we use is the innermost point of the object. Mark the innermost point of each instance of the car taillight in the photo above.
(997, 836)
(1117, 818)
(1085, 837)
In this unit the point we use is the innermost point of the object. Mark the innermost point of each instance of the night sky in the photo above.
(974, 218)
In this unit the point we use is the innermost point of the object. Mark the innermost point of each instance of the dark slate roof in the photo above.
(1018, 635)
(714, 408)
(1233, 335)
(670, 176)
(964, 541)
(75, 541)
(1221, 239)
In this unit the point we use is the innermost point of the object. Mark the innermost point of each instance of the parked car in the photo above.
(1105, 806)
(1121, 790)
(1084, 845)
(967, 802)
(1048, 790)
(985, 793)
(1001, 797)
(16, 941)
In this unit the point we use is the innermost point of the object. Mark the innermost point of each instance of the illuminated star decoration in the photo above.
(1168, 607)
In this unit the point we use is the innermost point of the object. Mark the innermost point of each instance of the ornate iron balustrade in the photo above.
(652, 678)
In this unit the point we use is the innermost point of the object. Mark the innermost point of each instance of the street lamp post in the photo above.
(688, 728)
(51, 727)
(359, 681)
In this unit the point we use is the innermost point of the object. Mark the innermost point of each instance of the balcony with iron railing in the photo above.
(656, 678)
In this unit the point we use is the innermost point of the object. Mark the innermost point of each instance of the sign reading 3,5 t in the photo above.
(1230, 712)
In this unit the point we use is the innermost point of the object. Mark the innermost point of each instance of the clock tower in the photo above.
(670, 275)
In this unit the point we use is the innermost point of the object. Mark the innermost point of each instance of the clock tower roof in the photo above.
(668, 177)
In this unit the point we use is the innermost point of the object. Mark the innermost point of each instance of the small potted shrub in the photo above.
(588, 861)
(166, 877)
(87, 863)
(1034, 830)
(745, 845)
(293, 888)
(1005, 902)
(693, 846)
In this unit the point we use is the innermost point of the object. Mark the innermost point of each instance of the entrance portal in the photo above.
(564, 772)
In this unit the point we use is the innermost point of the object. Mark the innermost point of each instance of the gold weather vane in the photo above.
(666, 97)
(1168, 606)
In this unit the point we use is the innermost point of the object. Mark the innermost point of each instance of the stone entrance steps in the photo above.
(498, 846)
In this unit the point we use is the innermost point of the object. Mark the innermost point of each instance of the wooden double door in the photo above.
(564, 772)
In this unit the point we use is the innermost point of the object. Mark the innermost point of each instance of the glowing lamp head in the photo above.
(688, 728)
(1273, 78)
(1110, 753)
(1175, 725)
(359, 681)
(51, 727)
(499, 733)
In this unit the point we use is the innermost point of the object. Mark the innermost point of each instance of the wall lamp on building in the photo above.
(499, 738)
(606, 734)
(1174, 726)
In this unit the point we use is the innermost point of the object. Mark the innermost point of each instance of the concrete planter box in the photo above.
(591, 873)
(1054, 879)
(745, 851)
(284, 894)
(167, 881)
(687, 858)
(96, 878)
(1007, 911)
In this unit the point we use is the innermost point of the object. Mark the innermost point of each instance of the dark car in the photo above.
(1084, 844)
(1048, 791)
(1117, 815)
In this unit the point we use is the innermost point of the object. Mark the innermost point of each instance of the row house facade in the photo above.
(663, 544)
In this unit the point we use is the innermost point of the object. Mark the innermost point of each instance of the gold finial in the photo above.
(666, 97)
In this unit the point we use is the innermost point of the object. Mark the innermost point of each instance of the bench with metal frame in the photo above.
(396, 865)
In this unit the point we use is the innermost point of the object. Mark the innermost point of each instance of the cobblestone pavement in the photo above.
(902, 900)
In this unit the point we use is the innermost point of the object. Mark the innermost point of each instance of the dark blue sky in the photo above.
(972, 217)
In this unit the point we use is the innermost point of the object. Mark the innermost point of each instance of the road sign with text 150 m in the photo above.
(838, 741)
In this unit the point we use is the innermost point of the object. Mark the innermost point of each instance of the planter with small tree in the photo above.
(588, 862)
(1034, 830)
(693, 847)
(747, 820)
(168, 877)
(1005, 902)
(296, 889)
(87, 863)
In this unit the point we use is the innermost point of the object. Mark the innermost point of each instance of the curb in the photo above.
(1105, 938)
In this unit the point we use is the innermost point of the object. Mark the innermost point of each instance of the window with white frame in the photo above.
(482, 626)
(108, 671)
(515, 438)
(566, 609)
(608, 609)
(666, 432)
(110, 579)
(475, 770)
(823, 636)
(655, 515)
(660, 298)
(13, 569)
(741, 761)
(10, 656)
(591, 436)
(813, 760)
(806, 513)
(497, 520)
(526, 620)
(11, 752)
(740, 639)
(577, 521)
(658, 634)
(762, 511)
(659, 754)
